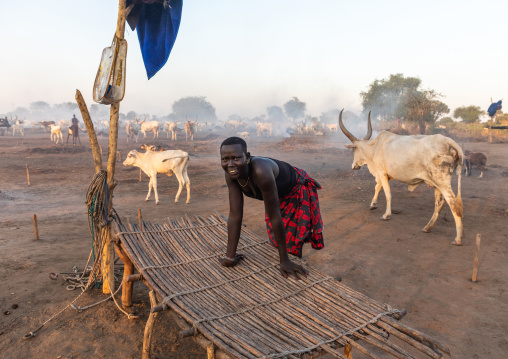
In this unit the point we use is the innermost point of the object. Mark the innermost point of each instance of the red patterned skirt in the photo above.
(300, 214)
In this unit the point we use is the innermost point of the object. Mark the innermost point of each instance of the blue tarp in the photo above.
(494, 107)
(157, 26)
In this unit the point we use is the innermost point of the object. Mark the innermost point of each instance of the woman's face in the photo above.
(234, 161)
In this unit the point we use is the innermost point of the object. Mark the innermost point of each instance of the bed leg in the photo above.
(348, 351)
(147, 340)
(128, 270)
(210, 351)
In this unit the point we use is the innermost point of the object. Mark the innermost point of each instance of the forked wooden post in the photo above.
(147, 340)
(128, 270)
(36, 229)
(475, 267)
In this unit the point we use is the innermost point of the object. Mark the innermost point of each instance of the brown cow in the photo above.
(475, 158)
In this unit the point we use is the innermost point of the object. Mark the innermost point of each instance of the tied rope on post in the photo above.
(98, 218)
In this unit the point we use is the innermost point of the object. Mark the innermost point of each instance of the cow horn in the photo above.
(346, 132)
(369, 131)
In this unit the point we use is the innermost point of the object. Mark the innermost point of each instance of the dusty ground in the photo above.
(393, 262)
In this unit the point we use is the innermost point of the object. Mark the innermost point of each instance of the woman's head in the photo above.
(234, 157)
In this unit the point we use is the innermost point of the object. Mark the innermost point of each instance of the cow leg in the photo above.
(481, 169)
(452, 203)
(149, 189)
(179, 177)
(154, 184)
(388, 195)
(373, 204)
(439, 203)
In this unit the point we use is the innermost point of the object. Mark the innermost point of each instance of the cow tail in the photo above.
(458, 200)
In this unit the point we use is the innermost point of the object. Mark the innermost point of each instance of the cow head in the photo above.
(131, 158)
(358, 144)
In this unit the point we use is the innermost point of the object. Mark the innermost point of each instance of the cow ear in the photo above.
(351, 147)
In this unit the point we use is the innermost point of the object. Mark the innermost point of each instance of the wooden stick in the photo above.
(90, 131)
(27, 175)
(147, 340)
(348, 351)
(475, 267)
(140, 175)
(128, 269)
(140, 219)
(36, 230)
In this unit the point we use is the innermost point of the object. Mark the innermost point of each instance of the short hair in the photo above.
(235, 141)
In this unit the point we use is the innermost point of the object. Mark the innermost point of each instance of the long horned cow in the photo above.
(413, 160)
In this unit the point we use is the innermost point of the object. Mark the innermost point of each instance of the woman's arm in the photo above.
(265, 180)
(234, 223)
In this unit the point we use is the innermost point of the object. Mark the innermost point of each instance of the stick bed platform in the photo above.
(250, 310)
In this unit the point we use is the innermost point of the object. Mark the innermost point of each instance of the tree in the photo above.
(469, 114)
(192, 107)
(275, 113)
(295, 108)
(386, 98)
(446, 121)
(39, 106)
(400, 98)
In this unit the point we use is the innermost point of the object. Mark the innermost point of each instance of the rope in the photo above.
(97, 204)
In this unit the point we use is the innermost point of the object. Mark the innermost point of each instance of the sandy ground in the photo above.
(392, 261)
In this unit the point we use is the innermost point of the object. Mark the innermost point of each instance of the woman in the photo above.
(290, 198)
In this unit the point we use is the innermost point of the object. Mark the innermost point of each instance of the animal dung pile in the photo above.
(250, 311)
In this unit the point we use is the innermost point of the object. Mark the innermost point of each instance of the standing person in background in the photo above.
(291, 203)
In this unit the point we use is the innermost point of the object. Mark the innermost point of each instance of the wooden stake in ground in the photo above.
(140, 219)
(475, 268)
(27, 175)
(36, 229)
(140, 175)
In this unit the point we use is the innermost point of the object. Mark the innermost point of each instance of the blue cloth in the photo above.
(494, 107)
(157, 27)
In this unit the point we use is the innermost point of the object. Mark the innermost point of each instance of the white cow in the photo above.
(18, 127)
(190, 128)
(412, 160)
(233, 124)
(171, 127)
(332, 127)
(244, 135)
(150, 126)
(132, 129)
(56, 134)
(168, 162)
(264, 127)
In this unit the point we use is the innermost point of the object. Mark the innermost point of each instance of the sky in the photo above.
(244, 56)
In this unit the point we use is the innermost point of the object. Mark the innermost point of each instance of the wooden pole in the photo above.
(475, 267)
(128, 270)
(108, 262)
(36, 229)
(27, 175)
(140, 175)
(147, 339)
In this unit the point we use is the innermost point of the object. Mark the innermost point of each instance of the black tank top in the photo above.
(285, 181)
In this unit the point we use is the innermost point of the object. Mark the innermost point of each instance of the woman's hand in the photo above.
(227, 262)
(288, 267)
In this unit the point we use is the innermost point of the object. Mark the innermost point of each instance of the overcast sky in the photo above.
(246, 55)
